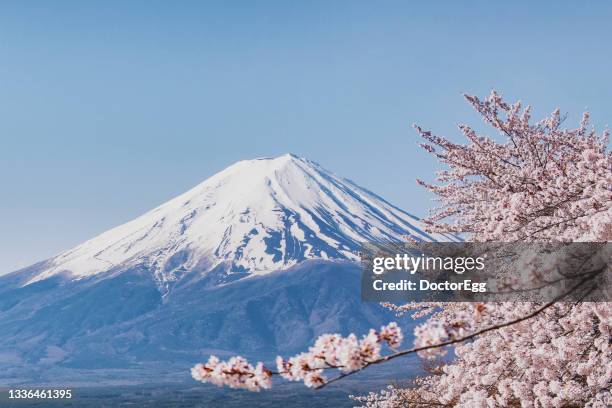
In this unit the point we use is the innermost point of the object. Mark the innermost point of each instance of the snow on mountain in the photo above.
(256, 259)
(255, 216)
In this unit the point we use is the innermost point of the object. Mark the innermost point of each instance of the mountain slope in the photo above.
(254, 217)
(258, 259)
(121, 329)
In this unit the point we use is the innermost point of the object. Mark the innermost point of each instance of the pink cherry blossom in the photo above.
(330, 351)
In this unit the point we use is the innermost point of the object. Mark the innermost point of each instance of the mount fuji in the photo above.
(259, 258)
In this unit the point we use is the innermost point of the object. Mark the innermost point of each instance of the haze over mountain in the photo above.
(261, 257)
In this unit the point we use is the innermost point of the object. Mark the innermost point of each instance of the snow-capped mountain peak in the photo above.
(256, 216)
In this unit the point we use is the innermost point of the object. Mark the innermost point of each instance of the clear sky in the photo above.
(108, 109)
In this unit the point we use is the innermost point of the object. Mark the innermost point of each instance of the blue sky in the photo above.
(108, 109)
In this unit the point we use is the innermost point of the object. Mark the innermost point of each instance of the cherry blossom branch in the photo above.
(333, 351)
(461, 339)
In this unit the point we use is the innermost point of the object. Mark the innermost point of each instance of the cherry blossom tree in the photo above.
(540, 183)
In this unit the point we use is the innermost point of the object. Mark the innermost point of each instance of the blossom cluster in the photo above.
(562, 357)
(542, 183)
(235, 373)
(330, 351)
